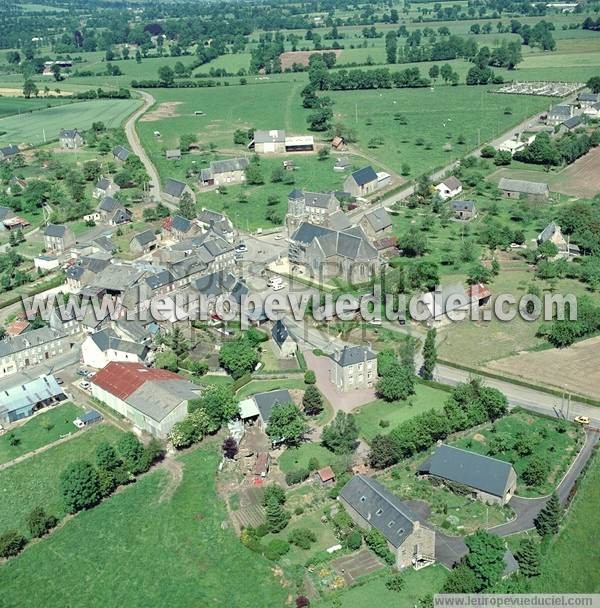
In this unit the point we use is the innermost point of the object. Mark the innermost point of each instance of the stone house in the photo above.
(372, 505)
(70, 139)
(110, 211)
(143, 242)
(312, 207)
(173, 190)
(120, 153)
(285, 346)
(8, 152)
(354, 367)
(58, 238)
(553, 233)
(376, 224)
(224, 172)
(463, 210)
(105, 187)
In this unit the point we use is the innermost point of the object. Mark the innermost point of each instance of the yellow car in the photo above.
(582, 419)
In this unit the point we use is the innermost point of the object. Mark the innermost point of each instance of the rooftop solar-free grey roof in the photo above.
(322, 200)
(180, 223)
(263, 137)
(573, 122)
(109, 204)
(364, 176)
(560, 110)
(103, 183)
(121, 153)
(267, 401)
(30, 339)
(380, 508)
(519, 185)
(350, 355)
(158, 398)
(174, 187)
(279, 333)
(452, 183)
(145, 238)
(548, 232)
(106, 339)
(379, 219)
(468, 468)
(306, 232)
(10, 150)
(55, 230)
(463, 205)
(229, 164)
(68, 133)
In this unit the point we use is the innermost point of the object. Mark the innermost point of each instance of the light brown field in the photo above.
(575, 369)
(164, 110)
(289, 58)
(19, 93)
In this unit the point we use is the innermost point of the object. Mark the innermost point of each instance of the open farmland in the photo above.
(574, 369)
(133, 550)
(20, 105)
(48, 122)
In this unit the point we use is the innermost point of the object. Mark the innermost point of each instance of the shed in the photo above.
(326, 475)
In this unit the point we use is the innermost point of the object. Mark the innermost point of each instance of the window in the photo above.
(362, 499)
(379, 512)
(391, 524)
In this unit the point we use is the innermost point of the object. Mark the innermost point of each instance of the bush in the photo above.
(378, 545)
(39, 522)
(261, 530)
(11, 543)
(302, 537)
(297, 476)
(384, 423)
(395, 582)
(276, 549)
(273, 492)
(354, 540)
(298, 510)
(310, 377)
(313, 464)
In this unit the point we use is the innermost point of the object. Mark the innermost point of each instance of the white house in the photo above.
(102, 347)
(449, 188)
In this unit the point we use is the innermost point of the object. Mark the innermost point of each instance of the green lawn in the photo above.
(546, 437)
(39, 431)
(260, 386)
(368, 416)
(34, 482)
(176, 552)
(576, 545)
(297, 458)
(47, 123)
(375, 593)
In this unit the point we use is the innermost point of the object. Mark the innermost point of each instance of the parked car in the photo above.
(582, 420)
(278, 237)
(275, 281)
(85, 385)
(241, 248)
(82, 372)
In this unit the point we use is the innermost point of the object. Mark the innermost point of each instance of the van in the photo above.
(275, 281)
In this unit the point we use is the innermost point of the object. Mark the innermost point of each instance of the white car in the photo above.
(278, 286)
(278, 237)
(85, 385)
(241, 248)
(275, 281)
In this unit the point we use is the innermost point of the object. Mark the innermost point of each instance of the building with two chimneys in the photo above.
(313, 207)
(353, 367)
(70, 139)
(58, 238)
(105, 187)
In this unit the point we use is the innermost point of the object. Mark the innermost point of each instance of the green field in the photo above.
(368, 416)
(576, 544)
(375, 593)
(134, 550)
(39, 431)
(20, 105)
(547, 438)
(34, 482)
(260, 386)
(49, 122)
(297, 458)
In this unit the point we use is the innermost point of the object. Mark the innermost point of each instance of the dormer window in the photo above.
(362, 499)
(379, 512)
(391, 524)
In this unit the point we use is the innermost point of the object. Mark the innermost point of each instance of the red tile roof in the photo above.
(122, 379)
(326, 474)
(17, 327)
(478, 292)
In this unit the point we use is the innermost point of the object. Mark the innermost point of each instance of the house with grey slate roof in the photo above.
(105, 187)
(70, 139)
(516, 188)
(173, 190)
(285, 346)
(312, 207)
(490, 480)
(372, 505)
(553, 233)
(216, 222)
(224, 172)
(8, 152)
(377, 223)
(103, 346)
(362, 182)
(588, 99)
(463, 210)
(558, 114)
(58, 238)
(120, 153)
(354, 367)
(110, 211)
(327, 253)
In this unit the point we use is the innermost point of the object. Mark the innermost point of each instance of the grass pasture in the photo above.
(20, 105)
(40, 431)
(48, 122)
(34, 482)
(298, 458)
(176, 552)
(368, 417)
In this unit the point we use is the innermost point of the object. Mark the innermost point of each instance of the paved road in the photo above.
(138, 149)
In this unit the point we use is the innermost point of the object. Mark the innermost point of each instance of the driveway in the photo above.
(345, 402)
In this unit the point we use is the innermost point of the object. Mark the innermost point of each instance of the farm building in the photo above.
(376, 223)
(173, 190)
(553, 233)
(517, 188)
(143, 242)
(23, 400)
(153, 399)
(258, 408)
(449, 188)
(362, 182)
(174, 154)
(301, 143)
(268, 142)
(58, 238)
(223, 172)
(342, 164)
(372, 505)
(285, 345)
(353, 367)
(120, 153)
(512, 145)
(572, 123)
(337, 143)
(463, 210)
(70, 139)
(593, 111)
(87, 419)
(491, 480)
